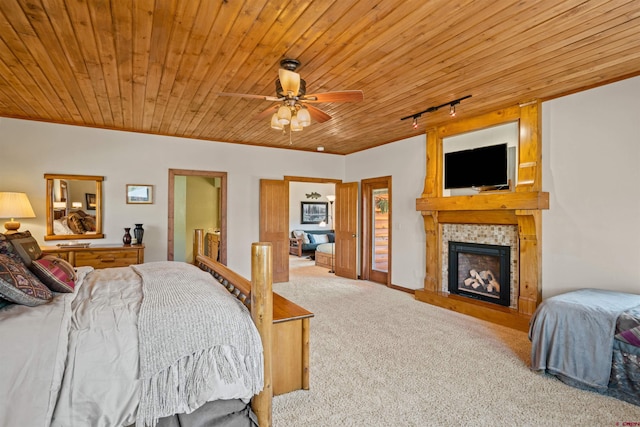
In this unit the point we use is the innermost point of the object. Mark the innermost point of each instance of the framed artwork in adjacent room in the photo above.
(314, 212)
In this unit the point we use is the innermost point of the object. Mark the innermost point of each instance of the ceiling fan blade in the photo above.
(247, 95)
(290, 81)
(266, 113)
(339, 96)
(317, 114)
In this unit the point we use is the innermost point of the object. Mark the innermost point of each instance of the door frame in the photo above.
(222, 250)
(289, 178)
(367, 185)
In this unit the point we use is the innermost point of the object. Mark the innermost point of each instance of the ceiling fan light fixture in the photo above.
(304, 117)
(284, 115)
(295, 124)
(275, 123)
(290, 82)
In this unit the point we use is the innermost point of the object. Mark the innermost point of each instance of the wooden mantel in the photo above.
(521, 207)
(486, 202)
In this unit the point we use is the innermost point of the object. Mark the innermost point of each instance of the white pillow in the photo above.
(320, 238)
(298, 234)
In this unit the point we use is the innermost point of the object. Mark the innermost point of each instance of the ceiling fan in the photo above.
(294, 107)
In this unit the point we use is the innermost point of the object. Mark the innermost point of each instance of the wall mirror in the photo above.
(74, 207)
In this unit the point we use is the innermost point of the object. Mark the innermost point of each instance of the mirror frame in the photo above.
(49, 207)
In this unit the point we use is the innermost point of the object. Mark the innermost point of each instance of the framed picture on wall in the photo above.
(90, 200)
(139, 193)
(314, 212)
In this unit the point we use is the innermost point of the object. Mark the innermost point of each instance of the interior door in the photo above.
(274, 224)
(346, 226)
(376, 230)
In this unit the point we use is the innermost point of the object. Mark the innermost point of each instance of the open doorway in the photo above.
(197, 199)
(274, 224)
(305, 197)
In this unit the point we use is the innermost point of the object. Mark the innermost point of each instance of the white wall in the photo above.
(298, 193)
(591, 169)
(591, 158)
(405, 161)
(29, 149)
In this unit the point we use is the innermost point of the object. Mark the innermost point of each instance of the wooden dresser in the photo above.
(99, 256)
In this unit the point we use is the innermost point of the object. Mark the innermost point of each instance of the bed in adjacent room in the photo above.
(590, 339)
(162, 342)
(325, 255)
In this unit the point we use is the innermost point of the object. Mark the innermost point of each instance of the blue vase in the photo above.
(138, 232)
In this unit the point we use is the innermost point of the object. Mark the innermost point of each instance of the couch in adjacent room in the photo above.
(306, 241)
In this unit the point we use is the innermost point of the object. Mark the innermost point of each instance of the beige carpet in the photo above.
(380, 358)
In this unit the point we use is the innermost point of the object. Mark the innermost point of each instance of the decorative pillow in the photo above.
(56, 273)
(319, 238)
(6, 248)
(299, 233)
(19, 285)
(332, 237)
(76, 223)
(89, 223)
(25, 246)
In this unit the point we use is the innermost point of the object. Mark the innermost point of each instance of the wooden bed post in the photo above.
(198, 244)
(260, 293)
(262, 313)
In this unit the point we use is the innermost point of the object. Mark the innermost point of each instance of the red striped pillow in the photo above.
(57, 274)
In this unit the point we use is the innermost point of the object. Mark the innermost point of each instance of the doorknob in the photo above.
(354, 235)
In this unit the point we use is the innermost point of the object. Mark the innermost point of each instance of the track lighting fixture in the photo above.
(452, 110)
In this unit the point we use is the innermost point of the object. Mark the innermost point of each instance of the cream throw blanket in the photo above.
(188, 325)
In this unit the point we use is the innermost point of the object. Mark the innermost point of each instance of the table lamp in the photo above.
(14, 205)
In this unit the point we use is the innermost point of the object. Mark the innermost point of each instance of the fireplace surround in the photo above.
(520, 207)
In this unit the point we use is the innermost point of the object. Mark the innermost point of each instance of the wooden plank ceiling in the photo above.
(158, 66)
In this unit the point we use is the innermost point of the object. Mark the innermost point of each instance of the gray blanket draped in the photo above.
(572, 334)
(189, 325)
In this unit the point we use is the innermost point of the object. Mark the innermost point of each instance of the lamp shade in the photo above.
(76, 205)
(15, 205)
(284, 115)
(275, 123)
(290, 81)
(304, 118)
(295, 125)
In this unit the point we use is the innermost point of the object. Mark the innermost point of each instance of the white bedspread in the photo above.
(56, 369)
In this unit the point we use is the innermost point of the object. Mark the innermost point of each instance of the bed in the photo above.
(590, 339)
(324, 256)
(118, 347)
(77, 222)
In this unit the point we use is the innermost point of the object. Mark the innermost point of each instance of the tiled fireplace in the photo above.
(497, 238)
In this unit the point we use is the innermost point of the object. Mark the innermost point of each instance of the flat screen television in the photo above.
(478, 167)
